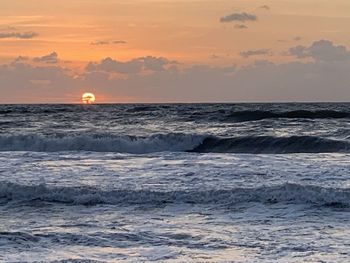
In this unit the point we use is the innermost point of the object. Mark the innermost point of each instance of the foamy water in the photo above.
(175, 183)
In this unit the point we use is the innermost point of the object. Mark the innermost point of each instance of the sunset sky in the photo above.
(174, 50)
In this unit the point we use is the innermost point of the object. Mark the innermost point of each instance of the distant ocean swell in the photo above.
(285, 193)
(254, 115)
(175, 142)
(226, 114)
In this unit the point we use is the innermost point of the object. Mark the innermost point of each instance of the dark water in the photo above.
(231, 128)
(175, 183)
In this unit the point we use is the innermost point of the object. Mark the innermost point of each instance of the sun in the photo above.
(88, 98)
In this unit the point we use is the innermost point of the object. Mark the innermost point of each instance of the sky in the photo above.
(127, 51)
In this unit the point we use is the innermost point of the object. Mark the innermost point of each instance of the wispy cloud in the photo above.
(119, 42)
(24, 35)
(51, 58)
(266, 7)
(241, 26)
(258, 52)
(99, 43)
(114, 42)
(238, 17)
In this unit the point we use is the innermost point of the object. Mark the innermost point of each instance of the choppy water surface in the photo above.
(175, 183)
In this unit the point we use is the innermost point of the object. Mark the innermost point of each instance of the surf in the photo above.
(283, 193)
(173, 142)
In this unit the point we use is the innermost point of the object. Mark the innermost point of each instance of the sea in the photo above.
(175, 183)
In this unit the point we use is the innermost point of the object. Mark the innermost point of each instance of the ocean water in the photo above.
(175, 183)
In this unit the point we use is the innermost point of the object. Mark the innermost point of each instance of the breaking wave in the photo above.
(101, 143)
(285, 193)
(174, 142)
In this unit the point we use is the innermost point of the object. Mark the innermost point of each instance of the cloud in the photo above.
(296, 39)
(258, 52)
(240, 17)
(156, 63)
(115, 42)
(25, 35)
(98, 43)
(119, 42)
(266, 7)
(133, 66)
(299, 52)
(322, 50)
(110, 65)
(51, 58)
(20, 59)
(241, 26)
(162, 80)
(261, 81)
(24, 82)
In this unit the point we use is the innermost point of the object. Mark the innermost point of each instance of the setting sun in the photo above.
(88, 98)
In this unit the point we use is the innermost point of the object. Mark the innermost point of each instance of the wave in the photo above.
(174, 142)
(285, 193)
(255, 115)
(101, 143)
(272, 145)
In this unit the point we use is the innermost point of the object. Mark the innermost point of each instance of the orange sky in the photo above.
(188, 31)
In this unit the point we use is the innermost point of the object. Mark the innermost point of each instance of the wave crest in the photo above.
(101, 143)
(285, 193)
(174, 142)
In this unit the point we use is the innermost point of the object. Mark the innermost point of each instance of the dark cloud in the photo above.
(21, 82)
(298, 51)
(258, 52)
(51, 58)
(241, 26)
(261, 81)
(165, 81)
(156, 63)
(133, 66)
(323, 50)
(110, 65)
(238, 17)
(25, 35)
